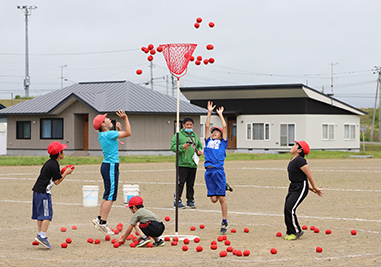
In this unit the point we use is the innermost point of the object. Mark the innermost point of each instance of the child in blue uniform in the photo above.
(216, 142)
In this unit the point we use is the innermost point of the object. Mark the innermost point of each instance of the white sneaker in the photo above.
(96, 223)
(104, 229)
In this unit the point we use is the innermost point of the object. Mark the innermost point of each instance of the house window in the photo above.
(287, 134)
(248, 131)
(23, 130)
(328, 132)
(349, 132)
(51, 129)
(261, 131)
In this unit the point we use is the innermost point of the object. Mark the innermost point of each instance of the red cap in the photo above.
(98, 120)
(305, 146)
(216, 128)
(136, 200)
(56, 147)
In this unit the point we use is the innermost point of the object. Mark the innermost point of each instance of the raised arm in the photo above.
(220, 110)
(207, 124)
(127, 131)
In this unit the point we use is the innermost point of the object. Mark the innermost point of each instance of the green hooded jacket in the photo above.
(185, 155)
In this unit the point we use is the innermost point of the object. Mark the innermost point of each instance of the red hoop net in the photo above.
(177, 57)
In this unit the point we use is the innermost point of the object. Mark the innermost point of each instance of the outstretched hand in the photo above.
(121, 114)
(220, 110)
(210, 106)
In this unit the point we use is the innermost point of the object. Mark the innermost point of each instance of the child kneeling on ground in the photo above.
(145, 222)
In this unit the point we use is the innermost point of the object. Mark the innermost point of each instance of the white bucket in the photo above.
(129, 191)
(90, 195)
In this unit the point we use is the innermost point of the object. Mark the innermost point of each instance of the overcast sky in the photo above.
(256, 42)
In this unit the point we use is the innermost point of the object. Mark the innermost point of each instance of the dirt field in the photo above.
(352, 200)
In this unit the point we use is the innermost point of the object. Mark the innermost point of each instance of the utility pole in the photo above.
(62, 77)
(332, 64)
(376, 70)
(151, 66)
(27, 11)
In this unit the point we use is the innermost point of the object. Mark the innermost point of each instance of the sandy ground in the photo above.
(352, 200)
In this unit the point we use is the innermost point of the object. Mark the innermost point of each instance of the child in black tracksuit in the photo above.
(299, 174)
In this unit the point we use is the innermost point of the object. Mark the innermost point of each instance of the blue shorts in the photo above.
(215, 182)
(110, 174)
(42, 206)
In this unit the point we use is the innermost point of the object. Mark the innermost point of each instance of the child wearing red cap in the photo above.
(108, 140)
(216, 142)
(50, 175)
(299, 174)
(145, 222)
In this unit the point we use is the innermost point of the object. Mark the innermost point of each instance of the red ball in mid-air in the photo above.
(206, 61)
(152, 51)
(210, 47)
(196, 25)
(198, 62)
(150, 58)
(199, 20)
(211, 24)
(150, 46)
(211, 61)
(191, 58)
(138, 72)
(159, 49)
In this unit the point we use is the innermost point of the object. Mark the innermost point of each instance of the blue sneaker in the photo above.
(180, 205)
(43, 241)
(190, 204)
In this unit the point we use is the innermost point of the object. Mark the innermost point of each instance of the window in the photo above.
(248, 131)
(261, 131)
(349, 132)
(328, 132)
(287, 134)
(23, 130)
(51, 129)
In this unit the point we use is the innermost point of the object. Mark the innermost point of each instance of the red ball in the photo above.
(146, 50)
(143, 48)
(199, 248)
(113, 241)
(150, 46)
(97, 241)
(273, 251)
(186, 241)
(206, 61)
(197, 240)
(120, 225)
(353, 232)
(246, 253)
(211, 24)
(90, 240)
(175, 238)
(316, 230)
(227, 242)
(116, 232)
(234, 252)
(229, 249)
(213, 247)
(149, 245)
(167, 218)
(328, 232)
(238, 253)
(223, 253)
(196, 25)
(120, 228)
(63, 229)
(210, 47)
(150, 58)
(121, 242)
(202, 226)
(199, 20)
(211, 60)
(116, 245)
(279, 234)
(174, 243)
(152, 52)
(214, 242)
(167, 238)
(138, 72)
(199, 58)
(132, 245)
(193, 228)
(35, 243)
(159, 49)
(185, 248)
(64, 245)
(233, 230)
(224, 237)
(198, 62)
(312, 228)
(191, 58)
(220, 238)
(246, 230)
(68, 240)
(304, 227)
(319, 250)
(74, 227)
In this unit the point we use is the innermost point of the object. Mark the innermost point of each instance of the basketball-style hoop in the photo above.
(177, 57)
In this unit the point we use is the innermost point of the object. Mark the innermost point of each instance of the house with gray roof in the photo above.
(66, 115)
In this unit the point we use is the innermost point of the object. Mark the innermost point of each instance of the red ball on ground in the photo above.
(132, 245)
(279, 234)
(238, 253)
(273, 251)
(138, 72)
(198, 62)
(149, 245)
(353, 232)
(150, 46)
(223, 253)
(199, 20)
(150, 58)
(304, 227)
(246, 253)
(116, 245)
(227, 242)
(316, 230)
(193, 228)
(211, 24)
(210, 47)
(224, 237)
(90, 240)
(312, 228)
(186, 241)
(246, 230)
(35, 243)
(185, 248)
(319, 250)
(121, 242)
(197, 240)
(68, 240)
(136, 241)
(196, 25)
(213, 247)
(233, 230)
(63, 229)
(120, 228)
(175, 238)
(113, 241)
(159, 49)
(202, 226)
(220, 238)
(97, 241)
(229, 249)
(167, 238)
(64, 245)
(74, 227)
(116, 232)
(199, 248)
(211, 60)
(328, 232)
(234, 251)
(167, 219)
(173, 243)
(214, 242)
(120, 224)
